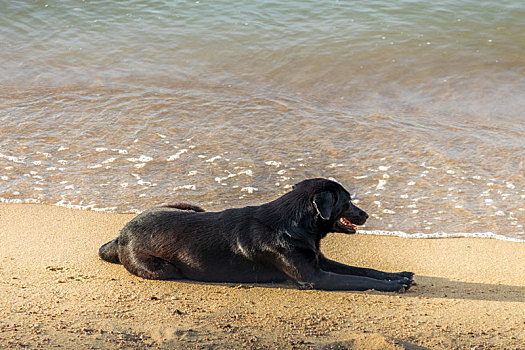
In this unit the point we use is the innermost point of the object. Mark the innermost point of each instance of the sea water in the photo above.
(418, 108)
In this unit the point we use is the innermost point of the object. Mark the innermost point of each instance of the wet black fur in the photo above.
(272, 242)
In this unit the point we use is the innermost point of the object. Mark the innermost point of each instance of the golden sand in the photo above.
(56, 292)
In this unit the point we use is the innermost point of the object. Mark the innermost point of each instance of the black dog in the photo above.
(273, 242)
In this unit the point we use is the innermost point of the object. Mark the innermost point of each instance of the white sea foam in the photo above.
(109, 210)
(243, 172)
(221, 179)
(250, 190)
(177, 155)
(443, 235)
(381, 185)
(185, 187)
(335, 165)
(146, 183)
(12, 158)
(94, 166)
(67, 204)
(19, 201)
(213, 159)
(141, 159)
(109, 160)
(120, 151)
(273, 163)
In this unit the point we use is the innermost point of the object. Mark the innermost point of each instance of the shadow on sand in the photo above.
(438, 287)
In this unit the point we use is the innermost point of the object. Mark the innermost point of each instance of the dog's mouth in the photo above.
(346, 225)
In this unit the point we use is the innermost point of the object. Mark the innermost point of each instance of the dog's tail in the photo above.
(109, 251)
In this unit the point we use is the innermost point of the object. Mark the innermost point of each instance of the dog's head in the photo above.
(332, 205)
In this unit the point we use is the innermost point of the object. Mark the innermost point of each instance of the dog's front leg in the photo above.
(336, 267)
(334, 281)
(306, 272)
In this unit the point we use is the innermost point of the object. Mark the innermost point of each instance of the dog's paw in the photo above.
(402, 285)
(406, 274)
(401, 275)
(407, 283)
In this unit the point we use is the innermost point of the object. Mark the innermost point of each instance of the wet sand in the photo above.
(56, 292)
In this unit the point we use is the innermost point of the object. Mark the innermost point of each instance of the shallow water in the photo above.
(417, 108)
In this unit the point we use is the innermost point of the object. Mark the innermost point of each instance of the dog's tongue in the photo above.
(346, 222)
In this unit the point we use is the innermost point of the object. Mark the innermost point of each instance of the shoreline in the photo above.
(56, 292)
(438, 235)
(401, 234)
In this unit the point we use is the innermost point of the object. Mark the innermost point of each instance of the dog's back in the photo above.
(170, 243)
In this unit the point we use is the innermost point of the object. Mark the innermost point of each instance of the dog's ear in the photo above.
(323, 203)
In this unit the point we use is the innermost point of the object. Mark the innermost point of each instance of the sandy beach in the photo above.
(111, 107)
(56, 292)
